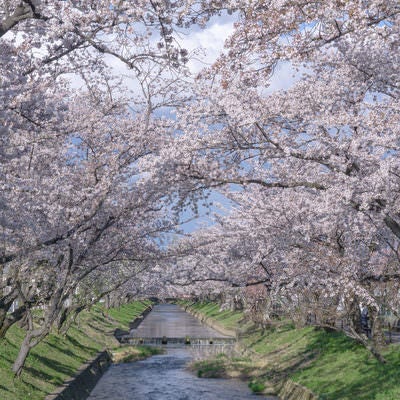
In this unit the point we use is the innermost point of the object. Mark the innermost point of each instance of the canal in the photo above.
(166, 377)
(170, 321)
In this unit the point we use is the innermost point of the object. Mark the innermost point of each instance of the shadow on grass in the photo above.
(53, 365)
(8, 342)
(346, 370)
(81, 346)
(103, 320)
(95, 328)
(8, 360)
(294, 364)
(43, 376)
(24, 379)
(4, 389)
(68, 352)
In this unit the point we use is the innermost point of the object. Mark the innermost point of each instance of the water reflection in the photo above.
(171, 321)
(165, 377)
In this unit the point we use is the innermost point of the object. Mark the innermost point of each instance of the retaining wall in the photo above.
(211, 323)
(291, 390)
(80, 386)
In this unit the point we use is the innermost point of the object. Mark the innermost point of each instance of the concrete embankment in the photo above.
(212, 323)
(122, 336)
(80, 386)
(291, 390)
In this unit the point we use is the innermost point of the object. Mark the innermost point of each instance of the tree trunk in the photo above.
(107, 302)
(369, 345)
(63, 317)
(355, 317)
(378, 335)
(3, 316)
(23, 322)
(376, 354)
(69, 321)
(5, 304)
(32, 338)
(11, 319)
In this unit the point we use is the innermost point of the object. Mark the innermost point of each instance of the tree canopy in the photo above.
(106, 137)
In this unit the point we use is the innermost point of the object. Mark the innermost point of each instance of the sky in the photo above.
(211, 42)
(207, 43)
(204, 45)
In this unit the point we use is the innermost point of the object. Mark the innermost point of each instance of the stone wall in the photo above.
(80, 386)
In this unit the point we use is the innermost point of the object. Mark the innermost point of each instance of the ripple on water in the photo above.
(164, 377)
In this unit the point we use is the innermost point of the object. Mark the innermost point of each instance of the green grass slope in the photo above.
(328, 363)
(59, 357)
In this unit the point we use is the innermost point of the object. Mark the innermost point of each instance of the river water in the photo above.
(166, 377)
(172, 321)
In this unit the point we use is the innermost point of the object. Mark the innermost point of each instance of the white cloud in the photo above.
(206, 44)
(285, 76)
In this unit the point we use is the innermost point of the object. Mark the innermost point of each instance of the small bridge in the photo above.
(169, 324)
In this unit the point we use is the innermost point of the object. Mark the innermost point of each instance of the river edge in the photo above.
(285, 389)
(81, 385)
(83, 382)
(168, 376)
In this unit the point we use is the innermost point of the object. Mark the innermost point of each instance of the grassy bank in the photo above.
(328, 363)
(126, 354)
(59, 357)
(227, 319)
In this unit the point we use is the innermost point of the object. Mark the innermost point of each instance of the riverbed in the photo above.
(165, 377)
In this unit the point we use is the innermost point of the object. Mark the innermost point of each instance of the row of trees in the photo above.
(96, 169)
(313, 169)
(80, 217)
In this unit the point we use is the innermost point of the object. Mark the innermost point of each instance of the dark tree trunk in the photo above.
(11, 319)
(63, 317)
(368, 344)
(378, 336)
(5, 304)
(73, 313)
(355, 317)
(32, 338)
(107, 302)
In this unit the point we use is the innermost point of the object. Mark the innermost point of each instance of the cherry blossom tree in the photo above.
(93, 177)
(323, 151)
(76, 201)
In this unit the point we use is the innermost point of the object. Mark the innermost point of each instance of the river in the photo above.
(166, 377)
(171, 321)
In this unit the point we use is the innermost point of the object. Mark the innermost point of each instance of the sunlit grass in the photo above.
(227, 318)
(59, 357)
(329, 363)
(345, 370)
(134, 353)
